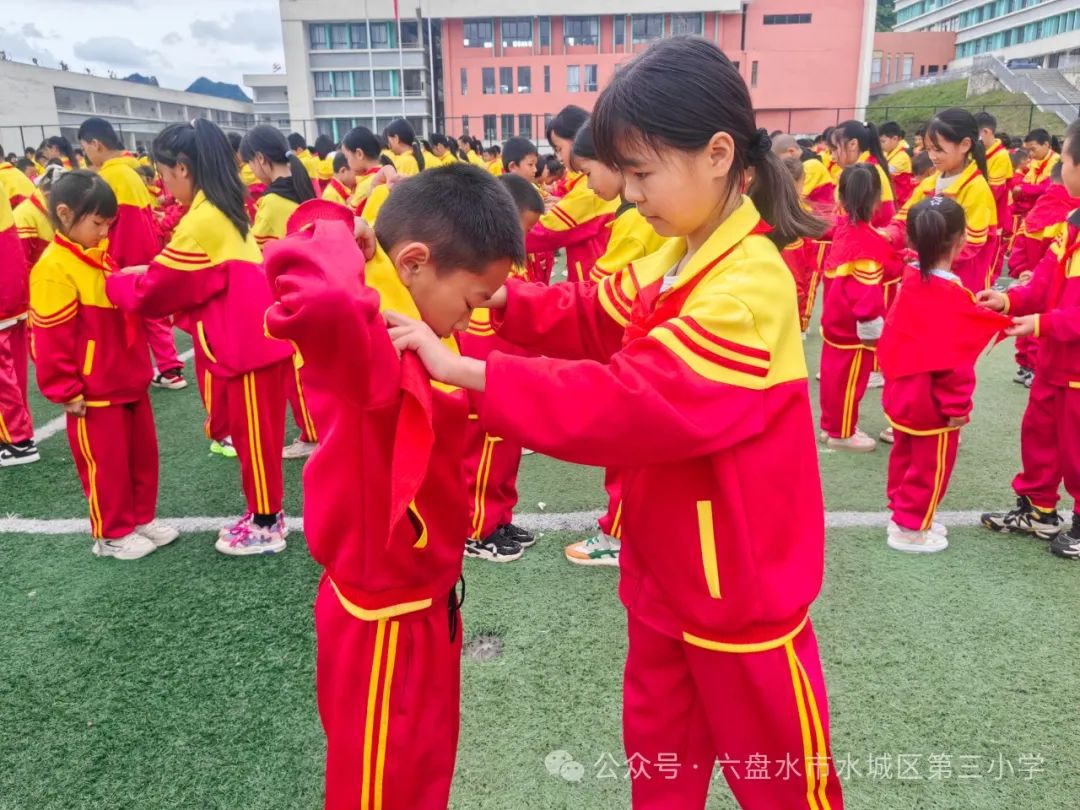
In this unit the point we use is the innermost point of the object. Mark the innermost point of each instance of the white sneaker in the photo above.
(876, 380)
(299, 449)
(600, 549)
(171, 380)
(525, 451)
(855, 443)
(903, 539)
(940, 529)
(158, 533)
(887, 436)
(251, 539)
(130, 547)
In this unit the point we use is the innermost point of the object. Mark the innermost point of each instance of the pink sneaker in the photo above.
(253, 539)
(855, 443)
(235, 528)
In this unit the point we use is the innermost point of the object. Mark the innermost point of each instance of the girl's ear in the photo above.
(65, 215)
(720, 151)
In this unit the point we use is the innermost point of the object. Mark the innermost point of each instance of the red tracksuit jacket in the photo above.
(211, 278)
(699, 396)
(1035, 182)
(385, 512)
(856, 272)
(35, 227)
(1041, 226)
(13, 267)
(133, 236)
(578, 223)
(1054, 295)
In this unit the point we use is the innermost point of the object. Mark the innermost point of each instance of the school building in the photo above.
(900, 57)
(465, 66)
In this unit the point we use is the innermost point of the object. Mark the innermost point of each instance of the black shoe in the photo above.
(524, 538)
(1067, 544)
(24, 452)
(496, 547)
(1024, 519)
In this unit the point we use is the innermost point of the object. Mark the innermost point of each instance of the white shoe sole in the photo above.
(607, 562)
(179, 385)
(917, 548)
(18, 461)
(496, 558)
(123, 556)
(157, 541)
(223, 547)
(847, 448)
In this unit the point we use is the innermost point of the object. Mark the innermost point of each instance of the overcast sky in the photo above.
(175, 40)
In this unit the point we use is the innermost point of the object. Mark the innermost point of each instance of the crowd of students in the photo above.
(396, 292)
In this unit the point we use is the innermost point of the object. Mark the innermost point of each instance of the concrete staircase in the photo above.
(1047, 89)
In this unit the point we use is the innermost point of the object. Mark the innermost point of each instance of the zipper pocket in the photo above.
(88, 358)
(200, 333)
(707, 537)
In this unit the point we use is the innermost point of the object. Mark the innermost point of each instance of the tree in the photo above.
(886, 15)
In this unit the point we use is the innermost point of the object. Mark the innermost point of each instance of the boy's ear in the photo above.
(410, 259)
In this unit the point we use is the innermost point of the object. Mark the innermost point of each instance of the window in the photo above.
(342, 84)
(358, 33)
(573, 79)
(581, 30)
(524, 84)
(339, 36)
(489, 128)
(410, 34)
(686, 24)
(933, 69)
(464, 125)
(547, 78)
(753, 74)
(590, 78)
(909, 61)
(318, 37)
(464, 82)
(618, 29)
(525, 125)
(361, 83)
(383, 82)
(875, 68)
(507, 126)
(487, 78)
(787, 19)
(545, 32)
(413, 83)
(324, 87)
(380, 35)
(646, 27)
(478, 34)
(506, 80)
(517, 32)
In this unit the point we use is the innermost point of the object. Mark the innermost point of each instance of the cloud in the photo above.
(260, 30)
(119, 52)
(15, 46)
(31, 31)
(172, 38)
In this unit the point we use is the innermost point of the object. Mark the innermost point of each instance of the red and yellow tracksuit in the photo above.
(819, 187)
(803, 258)
(577, 223)
(698, 394)
(385, 517)
(133, 240)
(336, 191)
(855, 272)
(255, 187)
(34, 226)
(1036, 182)
(326, 168)
(631, 238)
(212, 279)
(15, 424)
(363, 189)
(999, 167)
(900, 171)
(86, 349)
(406, 164)
(310, 162)
(495, 166)
(976, 263)
(888, 208)
(1050, 431)
(14, 184)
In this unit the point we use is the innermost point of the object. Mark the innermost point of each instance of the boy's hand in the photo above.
(365, 237)
(442, 364)
(1022, 326)
(498, 300)
(992, 300)
(958, 421)
(77, 407)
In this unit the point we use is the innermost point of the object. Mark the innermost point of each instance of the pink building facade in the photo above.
(900, 56)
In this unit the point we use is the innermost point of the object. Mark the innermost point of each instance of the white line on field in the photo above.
(54, 426)
(543, 522)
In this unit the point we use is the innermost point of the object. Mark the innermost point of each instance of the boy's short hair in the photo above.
(146, 171)
(525, 195)
(984, 120)
(461, 212)
(98, 129)
(340, 162)
(794, 166)
(921, 164)
(516, 149)
(1055, 173)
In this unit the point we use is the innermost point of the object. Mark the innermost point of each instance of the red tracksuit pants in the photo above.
(1027, 351)
(15, 423)
(257, 426)
(844, 374)
(389, 694)
(491, 468)
(116, 454)
(294, 390)
(214, 393)
(919, 471)
(159, 334)
(807, 296)
(611, 521)
(685, 707)
(1049, 438)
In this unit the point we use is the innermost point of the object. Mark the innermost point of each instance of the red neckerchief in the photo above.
(997, 148)
(34, 201)
(131, 320)
(339, 187)
(651, 307)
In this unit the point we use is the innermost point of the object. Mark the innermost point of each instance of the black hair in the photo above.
(860, 192)
(920, 130)
(425, 144)
(566, 124)
(85, 193)
(234, 140)
(826, 136)
(819, 138)
(584, 145)
(22, 164)
(465, 216)
(385, 160)
(985, 120)
(678, 94)
(933, 228)
(51, 175)
(921, 164)
(65, 148)
(31, 150)
(439, 139)
(794, 167)
(495, 149)
(1004, 137)
(98, 129)
(324, 145)
(341, 161)
(1072, 141)
(525, 195)
(516, 150)
(363, 140)
(1018, 157)
(805, 143)
(202, 147)
(267, 141)
(955, 124)
(296, 141)
(1055, 173)
(867, 136)
(554, 166)
(891, 129)
(1041, 136)
(403, 130)
(146, 171)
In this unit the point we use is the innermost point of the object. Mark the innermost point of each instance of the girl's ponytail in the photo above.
(65, 148)
(418, 153)
(267, 141)
(955, 124)
(1055, 144)
(777, 201)
(301, 181)
(874, 148)
(403, 131)
(860, 192)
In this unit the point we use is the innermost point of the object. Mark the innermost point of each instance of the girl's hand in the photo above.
(1025, 277)
(1022, 326)
(958, 421)
(77, 407)
(442, 364)
(136, 270)
(498, 300)
(365, 237)
(992, 299)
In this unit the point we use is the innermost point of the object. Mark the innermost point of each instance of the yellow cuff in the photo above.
(1008, 304)
(1038, 322)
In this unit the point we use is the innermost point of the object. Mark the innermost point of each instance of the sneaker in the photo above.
(173, 380)
(251, 539)
(525, 539)
(887, 436)
(855, 443)
(600, 549)
(158, 533)
(24, 452)
(876, 380)
(1067, 544)
(223, 448)
(496, 547)
(1022, 374)
(1024, 519)
(1030, 379)
(914, 542)
(525, 451)
(299, 449)
(234, 528)
(129, 547)
(939, 529)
